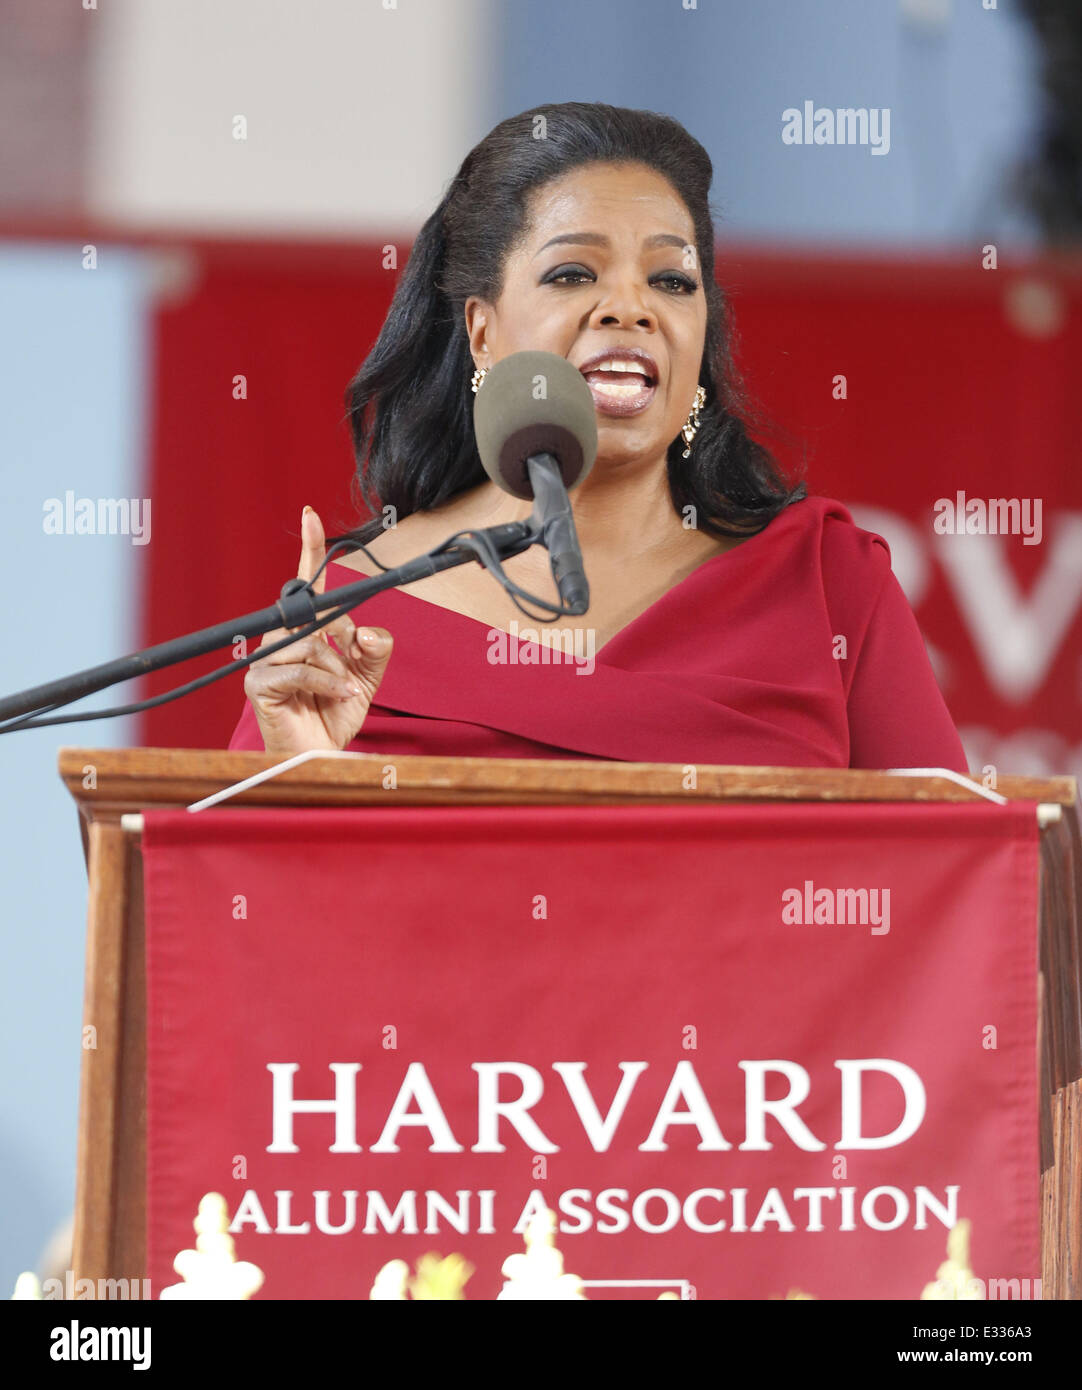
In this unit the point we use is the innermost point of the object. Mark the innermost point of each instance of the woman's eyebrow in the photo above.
(597, 239)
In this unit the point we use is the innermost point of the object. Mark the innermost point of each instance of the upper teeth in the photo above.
(620, 364)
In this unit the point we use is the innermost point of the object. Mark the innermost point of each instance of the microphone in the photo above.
(536, 428)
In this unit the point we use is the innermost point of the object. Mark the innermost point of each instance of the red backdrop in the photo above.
(955, 378)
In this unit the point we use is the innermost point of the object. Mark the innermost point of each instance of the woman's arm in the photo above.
(897, 714)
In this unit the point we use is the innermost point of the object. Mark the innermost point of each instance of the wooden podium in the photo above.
(112, 788)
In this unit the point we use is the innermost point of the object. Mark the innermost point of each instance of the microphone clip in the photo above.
(555, 520)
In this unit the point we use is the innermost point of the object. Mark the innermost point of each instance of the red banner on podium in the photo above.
(738, 1050)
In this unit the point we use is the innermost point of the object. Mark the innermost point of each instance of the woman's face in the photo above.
(623, 274)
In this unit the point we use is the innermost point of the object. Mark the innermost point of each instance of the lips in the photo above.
(625, 391)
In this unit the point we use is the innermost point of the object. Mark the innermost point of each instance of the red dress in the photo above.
(740, 663)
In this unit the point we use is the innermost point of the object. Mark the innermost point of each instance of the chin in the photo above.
(616, 449)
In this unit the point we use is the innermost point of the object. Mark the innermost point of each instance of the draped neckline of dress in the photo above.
(620, 633)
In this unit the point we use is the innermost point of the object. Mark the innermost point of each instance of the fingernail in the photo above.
(305, 512)
(372, 640)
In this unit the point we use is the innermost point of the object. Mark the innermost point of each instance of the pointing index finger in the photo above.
(313, 553)
(313, 548)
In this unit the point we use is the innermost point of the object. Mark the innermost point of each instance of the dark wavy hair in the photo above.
(410, 406)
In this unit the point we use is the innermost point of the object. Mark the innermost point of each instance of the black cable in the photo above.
(349, 546)
(24, 719)
(483, 547)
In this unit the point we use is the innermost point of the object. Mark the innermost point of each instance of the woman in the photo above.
(732, 618)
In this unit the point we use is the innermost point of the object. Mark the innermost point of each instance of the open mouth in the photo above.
(621, 386)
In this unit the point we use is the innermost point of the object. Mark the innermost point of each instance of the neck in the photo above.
(615, 511)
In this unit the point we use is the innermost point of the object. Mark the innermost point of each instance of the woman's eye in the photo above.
(564, 273)
(570, 275)
(684, 284)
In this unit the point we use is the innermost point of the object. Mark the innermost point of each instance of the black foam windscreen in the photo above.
(534, 403)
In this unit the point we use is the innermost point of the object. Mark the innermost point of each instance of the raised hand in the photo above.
(316, 693)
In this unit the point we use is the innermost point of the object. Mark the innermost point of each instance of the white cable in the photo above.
(270, 772)
(951, 776)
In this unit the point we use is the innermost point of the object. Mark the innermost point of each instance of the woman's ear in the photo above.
(478, 315)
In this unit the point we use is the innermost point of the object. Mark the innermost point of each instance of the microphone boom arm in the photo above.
(297, 607)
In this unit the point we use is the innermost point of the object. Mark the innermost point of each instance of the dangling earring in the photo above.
(477, 378)
(691, 424)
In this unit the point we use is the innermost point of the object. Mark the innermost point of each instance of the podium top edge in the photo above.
(136, 778)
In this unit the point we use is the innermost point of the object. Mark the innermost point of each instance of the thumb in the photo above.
(371, 652)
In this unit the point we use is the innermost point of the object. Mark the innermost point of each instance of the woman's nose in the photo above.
(623, 304)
